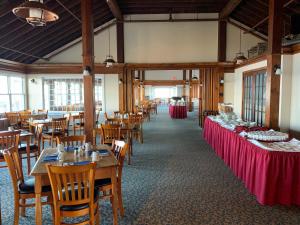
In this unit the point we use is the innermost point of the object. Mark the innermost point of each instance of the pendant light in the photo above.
(240, 58)
(35, 12)
(109, 61)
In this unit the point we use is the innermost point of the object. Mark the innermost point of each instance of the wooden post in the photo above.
(190, 91)
(143, 87)
(120, 42)
(273, 58)
(184, 80)
(222, 41)
(88, 62)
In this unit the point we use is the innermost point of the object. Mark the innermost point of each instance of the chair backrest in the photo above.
(24, 120)
(13, 118)
(72, 185)
(116, 114)
(9, 139)
(97, 132)
(25, 112)
(119, 149)
(136, 119)
(59, 124)
(110, 133)
(12, 160)
(72, 140)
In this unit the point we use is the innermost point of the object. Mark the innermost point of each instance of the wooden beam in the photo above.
(120, 42)
(229, 8)
(69, 11)
(264, 20)
(23, 53)
(88, 61)
(115, 9)
(190, 91)
(273, 58)
(222, 39)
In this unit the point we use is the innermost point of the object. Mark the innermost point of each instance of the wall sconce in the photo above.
(33, 81)
(277, 70)
(195, 78)
(87, 71)
(120, 81)
(187, 82)
(222, 81)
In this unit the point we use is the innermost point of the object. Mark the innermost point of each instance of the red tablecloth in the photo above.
(177, 112)
(273, 177)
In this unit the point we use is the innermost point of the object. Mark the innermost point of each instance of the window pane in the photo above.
(17, 102)
(3, 82)
(4, 103)
(16, 85)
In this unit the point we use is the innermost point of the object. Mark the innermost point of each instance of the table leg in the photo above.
(38, 204)
(115, 196)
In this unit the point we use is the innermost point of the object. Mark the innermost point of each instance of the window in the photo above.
(67, 94)
(12, 93)
(254, 96)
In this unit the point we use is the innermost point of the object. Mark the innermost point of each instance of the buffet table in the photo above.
(177, 112)
(272, 176)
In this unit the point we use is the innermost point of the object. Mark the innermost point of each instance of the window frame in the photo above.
(10, 93)
(254, 105)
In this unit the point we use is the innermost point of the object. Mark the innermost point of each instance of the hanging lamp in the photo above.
(35, 13)
(109, 61)
(240, 58)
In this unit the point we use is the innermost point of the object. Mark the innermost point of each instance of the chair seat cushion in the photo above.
(22, 147)
(81, 206)
(28, 186)
(102, 182)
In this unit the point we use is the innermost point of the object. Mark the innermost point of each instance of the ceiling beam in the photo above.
(115, 9)
(23, 53)
(264, 20)
(229, 8)
(69, 11)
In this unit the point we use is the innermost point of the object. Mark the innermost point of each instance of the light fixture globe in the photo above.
(109, 61)
(35, 13)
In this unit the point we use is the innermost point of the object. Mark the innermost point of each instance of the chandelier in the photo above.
(35, 12)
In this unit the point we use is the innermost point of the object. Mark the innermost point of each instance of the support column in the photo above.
(190, 91)
(184, 80)
(222, 39)
(120, 42)
(88, 62)
(273, 58)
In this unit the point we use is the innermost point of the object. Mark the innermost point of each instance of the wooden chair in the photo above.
(24, 124)
(23, 189)
(110, 133)
(137, 122)
(59, 128)
(72, 140)
(8, 139)
(14, 119)
(35, 147)
(105, 186)
(77, 122)
(73, 192)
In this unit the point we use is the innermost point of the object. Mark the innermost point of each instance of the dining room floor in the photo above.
(175, 179)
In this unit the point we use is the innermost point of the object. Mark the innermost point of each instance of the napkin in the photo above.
(81, 163)
(103, 152)
(50, 158)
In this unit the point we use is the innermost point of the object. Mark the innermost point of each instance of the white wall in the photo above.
(171, 42)
(111, 93)
(233, 42)
(229, 79)
(285, 92)
(101, 49)
(238, 84)
(295, 96)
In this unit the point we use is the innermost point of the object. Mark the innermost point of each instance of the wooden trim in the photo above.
(162, 82)
(291, 50)
(7, 65)
(251, 72)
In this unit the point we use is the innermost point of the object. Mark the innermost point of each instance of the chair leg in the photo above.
(120, 200)
(23, 209)
(16, 213)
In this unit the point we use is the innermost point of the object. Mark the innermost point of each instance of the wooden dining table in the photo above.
(106, 168)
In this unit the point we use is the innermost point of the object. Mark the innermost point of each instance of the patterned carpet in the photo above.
(175, 179)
